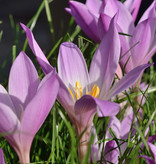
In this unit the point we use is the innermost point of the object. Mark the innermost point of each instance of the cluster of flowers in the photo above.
(82, 93)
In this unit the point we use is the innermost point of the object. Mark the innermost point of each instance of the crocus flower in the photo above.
(26, 105)
(2, 157)
(89, 16)
(82, 94)
(145, 37)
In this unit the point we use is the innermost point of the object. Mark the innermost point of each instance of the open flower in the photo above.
(83, 94)
(26, 105)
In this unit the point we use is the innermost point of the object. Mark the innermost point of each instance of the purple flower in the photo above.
(82, 94)
(111, 151)
(94, 16)
(142, 44)
(152, 148)
(26, 105)
(2, 161)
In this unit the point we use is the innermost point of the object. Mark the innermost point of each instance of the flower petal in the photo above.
(153, 150)
(2, 157)
(72, 66)
(45, 65)
(9, 122)
(23, 79)
(85, 108)
(85, 19)
(127, 81)
(133, 6)
(38, 108)
(142, 34)
(105, 60)
(107, 108)
(125, 19)
(111, 152)
(147, 13)
(94, 6)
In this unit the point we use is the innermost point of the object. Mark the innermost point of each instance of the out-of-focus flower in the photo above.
(82, 94)
(2, 161)
(111, 151)
(152, 147)
(26, 105)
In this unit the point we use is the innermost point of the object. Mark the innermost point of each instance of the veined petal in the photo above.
(85, 109)
(66, 100)
(45, 65)
(23, 79)
(125, 19)
(38, 109)
(72, 66)
(128, 80)
(85, 19)
(105, 60)
(2, 157)
(106, 108)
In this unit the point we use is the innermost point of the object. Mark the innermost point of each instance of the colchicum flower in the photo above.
(90, 16)
(83, 94)
(26, 105)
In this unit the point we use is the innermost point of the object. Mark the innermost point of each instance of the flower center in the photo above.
(77, 91)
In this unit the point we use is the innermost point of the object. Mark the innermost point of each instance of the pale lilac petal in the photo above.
(23, 79)
(9, 124)
(133, 6)
(142, 34)
(94, 6)
(128, 80)
(126, 125)
(105, 60)
(72, 66)
(38, 109)
(85, 19)
(45, 65)
(115, 125)
(66, 100)
(2, 157)
(111, 152)
(147, 13)
(85, 109)
(107, 108)
(125, 20)
(95, 150)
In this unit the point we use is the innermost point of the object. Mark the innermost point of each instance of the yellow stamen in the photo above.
(71, 93)
(78, 90)
(95, 91)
